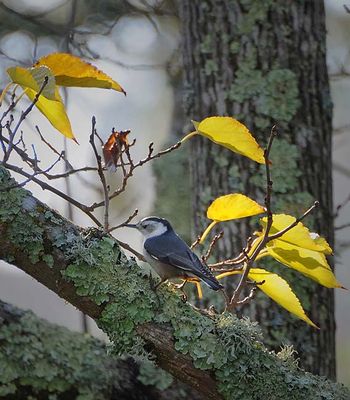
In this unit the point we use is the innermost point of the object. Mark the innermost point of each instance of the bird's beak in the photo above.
(131, 226)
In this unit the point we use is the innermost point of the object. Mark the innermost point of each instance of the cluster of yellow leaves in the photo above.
(301, 250)
(61, 69)
(298, 248)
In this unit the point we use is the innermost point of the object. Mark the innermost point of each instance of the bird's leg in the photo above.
(181, 287)
(155, 287)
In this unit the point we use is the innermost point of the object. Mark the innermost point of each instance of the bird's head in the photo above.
(151, 226)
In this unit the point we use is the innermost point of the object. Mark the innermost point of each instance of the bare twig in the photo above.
(215, 239)
(132, 166)
(196, 242)
(36, 171)
(339, 227)
(30, 161)
(248, 298)
(101, 174)
(234, 261)
(22, 118)
(250, 260)
(46, 142)
(70, 172)
(30, 178)
(295, 223)
(46, 186)
(129, 248)
(11, 106)
(130, 218)
(341, 205)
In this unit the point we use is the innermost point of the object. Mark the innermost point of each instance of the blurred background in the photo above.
(137, 43)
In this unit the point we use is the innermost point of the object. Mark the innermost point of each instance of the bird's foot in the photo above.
(212, 310)
(184, 297)
(181, 287)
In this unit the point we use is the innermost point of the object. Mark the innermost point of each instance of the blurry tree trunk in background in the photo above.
(263, 62)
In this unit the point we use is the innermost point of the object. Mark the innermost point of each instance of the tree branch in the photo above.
(56, 350)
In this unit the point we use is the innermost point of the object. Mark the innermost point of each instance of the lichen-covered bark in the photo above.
(263, 62)
(43, 361)
(218, 355)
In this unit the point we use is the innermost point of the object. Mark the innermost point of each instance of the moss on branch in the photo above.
(219, 355)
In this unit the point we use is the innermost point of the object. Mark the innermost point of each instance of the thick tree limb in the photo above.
(214, 354)
(162, 338)
(67, 364)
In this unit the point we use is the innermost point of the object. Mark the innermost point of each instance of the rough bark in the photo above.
(263, 62)
(100, 281)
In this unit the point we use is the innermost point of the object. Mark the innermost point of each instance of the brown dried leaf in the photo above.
(113, 148)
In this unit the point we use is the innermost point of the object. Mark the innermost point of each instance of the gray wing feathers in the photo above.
(171, 249)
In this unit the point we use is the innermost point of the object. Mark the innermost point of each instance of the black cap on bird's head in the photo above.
(152, 226)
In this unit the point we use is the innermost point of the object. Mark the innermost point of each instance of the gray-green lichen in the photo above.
(51, 359)
(12, 202)
(151, 374)
(254, 12)
(274, 93)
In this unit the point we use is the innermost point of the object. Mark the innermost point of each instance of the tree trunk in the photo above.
(263, 62)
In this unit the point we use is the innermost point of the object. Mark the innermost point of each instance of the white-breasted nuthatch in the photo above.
(169, 255)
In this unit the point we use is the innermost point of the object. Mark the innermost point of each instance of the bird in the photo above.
(169, 255)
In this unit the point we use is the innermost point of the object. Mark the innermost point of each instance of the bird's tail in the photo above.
(212, 282)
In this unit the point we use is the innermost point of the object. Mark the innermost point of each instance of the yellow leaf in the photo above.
(310, 263)
(299, 235)
(70, 70)
(230, 206)
(33, 78)
(54, 111)
(233, 206)
(322, 243)
(230, 133)
(278, 290)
